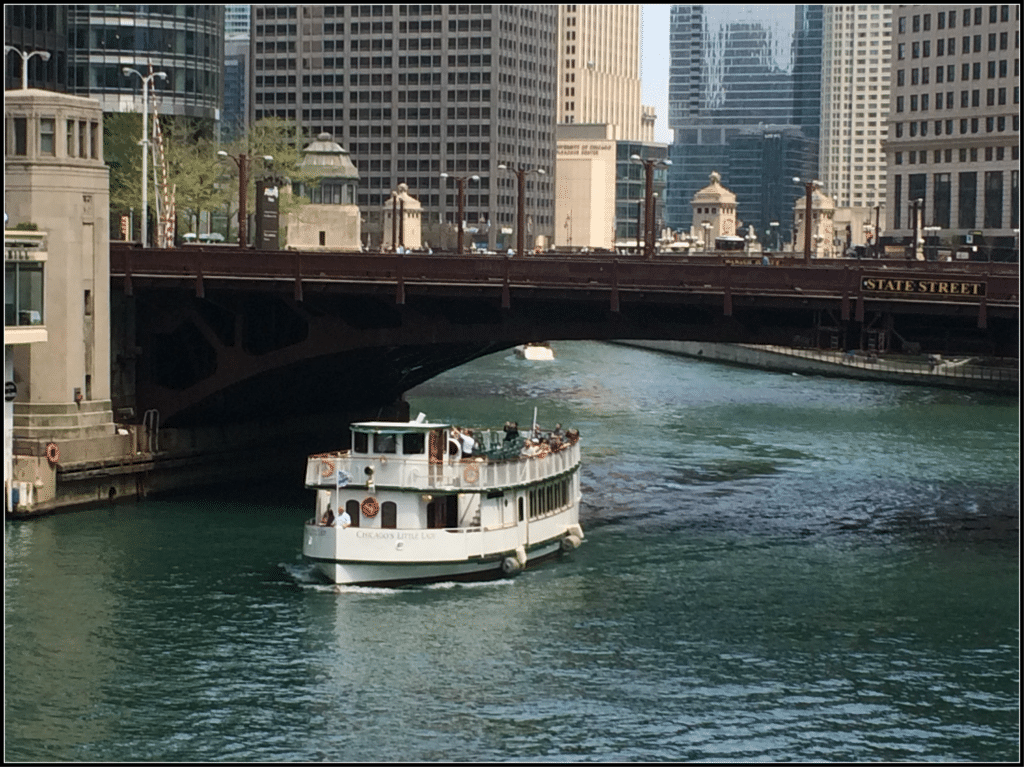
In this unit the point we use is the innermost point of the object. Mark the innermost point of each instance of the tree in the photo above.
(194, 171)
(279, 139)
(122, 132)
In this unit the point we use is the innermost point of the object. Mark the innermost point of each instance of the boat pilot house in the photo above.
(422, 501)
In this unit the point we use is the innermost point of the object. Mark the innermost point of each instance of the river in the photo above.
(776, 567)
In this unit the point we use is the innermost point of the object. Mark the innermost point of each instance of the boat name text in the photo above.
(395, 535)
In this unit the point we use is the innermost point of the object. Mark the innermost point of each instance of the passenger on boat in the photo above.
(344, 520)
(328, 518)
(511, 430)
(468, 443)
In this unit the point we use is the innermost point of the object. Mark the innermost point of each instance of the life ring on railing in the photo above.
(369, 506)
(52, 453)
(471, 473)
(327, 468)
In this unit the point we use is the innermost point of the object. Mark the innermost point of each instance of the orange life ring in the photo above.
(327, 468)
(52, 453)
(369, 506)
(471, 473)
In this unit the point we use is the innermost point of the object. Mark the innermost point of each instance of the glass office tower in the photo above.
(742, 78)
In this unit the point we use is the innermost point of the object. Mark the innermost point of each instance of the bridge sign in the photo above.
(904, 286)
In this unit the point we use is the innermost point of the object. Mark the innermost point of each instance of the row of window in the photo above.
(923, 22)
(81, 138)
(550, 497)
(967, 198)
(965, 155)
(993, 97)
(947, 73)
(967, 125)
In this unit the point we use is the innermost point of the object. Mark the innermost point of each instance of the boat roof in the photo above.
(396, 427)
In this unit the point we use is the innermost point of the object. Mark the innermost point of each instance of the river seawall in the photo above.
(960, 373)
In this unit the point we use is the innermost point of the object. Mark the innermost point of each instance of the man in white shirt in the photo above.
(343, 519)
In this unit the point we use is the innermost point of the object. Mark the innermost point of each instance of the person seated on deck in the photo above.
(511, 431)
(328, 518)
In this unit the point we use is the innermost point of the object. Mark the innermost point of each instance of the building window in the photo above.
(23, 293)
(47, 137)
(20, 136)
(994, 199)
(942, 200)
(967, 202)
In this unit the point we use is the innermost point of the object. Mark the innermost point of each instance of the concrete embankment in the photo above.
(961, 373)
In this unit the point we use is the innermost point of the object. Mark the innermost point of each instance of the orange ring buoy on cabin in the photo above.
(471, 473)
(52, 453)
(369, 506)
(327, 468)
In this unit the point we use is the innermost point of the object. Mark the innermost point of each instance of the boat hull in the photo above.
(353, 573)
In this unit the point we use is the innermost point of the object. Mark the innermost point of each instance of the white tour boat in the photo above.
(430, 502)
(536, 351)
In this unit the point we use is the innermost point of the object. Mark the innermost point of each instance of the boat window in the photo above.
(360, 442)
(414, 443)
(352, 507)
(389, 514)
(385, 443)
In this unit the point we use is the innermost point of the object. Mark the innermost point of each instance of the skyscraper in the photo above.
(953, 143)
(416, 90)
(599, 69)
(854, 103)
(185, 41)
(736, 72)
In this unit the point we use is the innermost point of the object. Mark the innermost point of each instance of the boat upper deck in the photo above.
(431, 457)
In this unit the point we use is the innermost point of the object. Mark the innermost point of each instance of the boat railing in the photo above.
(485, 470)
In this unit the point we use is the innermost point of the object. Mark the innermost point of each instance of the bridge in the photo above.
(219, 334)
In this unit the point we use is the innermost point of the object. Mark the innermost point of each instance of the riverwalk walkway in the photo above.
(972, 373)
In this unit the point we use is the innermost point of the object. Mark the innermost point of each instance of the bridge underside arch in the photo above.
(243, 355)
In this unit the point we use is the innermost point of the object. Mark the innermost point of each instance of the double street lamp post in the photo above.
(461, 182)
(146, 79)
(44, 55)
(649, 166)
(521, 217)
(809, 187)
(242, 161)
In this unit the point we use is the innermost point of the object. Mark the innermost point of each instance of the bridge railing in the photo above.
(826, 277)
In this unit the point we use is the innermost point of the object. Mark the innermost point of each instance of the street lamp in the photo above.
(242, 161)
(932, 232)
(461, 182)
(521, 217)
(44, 55)
(128, 71)
(809, 187)
(916, 206)
(649, 166)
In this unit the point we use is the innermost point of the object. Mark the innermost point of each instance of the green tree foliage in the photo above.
(123, 155)
(277, 138)
(199, 180)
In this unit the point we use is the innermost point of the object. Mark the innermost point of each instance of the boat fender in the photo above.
(327, 468)
(511, 566)
(471, 473)
(369, 506)
(521, 555)
(570, 542)
(576, 530)
(52, 453)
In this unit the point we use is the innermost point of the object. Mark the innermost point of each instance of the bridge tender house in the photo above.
(934, 287)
